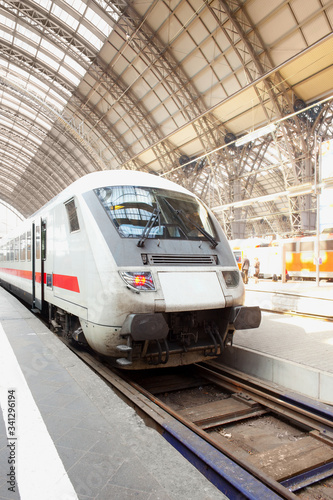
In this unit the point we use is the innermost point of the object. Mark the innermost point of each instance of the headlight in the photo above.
(138, 281)
(231, 278)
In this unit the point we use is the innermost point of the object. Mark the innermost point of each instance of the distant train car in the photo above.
(133, 265)
(269, 255)
(239, 256)
(270, 258)
(300, 256)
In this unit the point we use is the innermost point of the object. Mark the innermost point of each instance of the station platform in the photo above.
(302, 297)
(71, 437)
(76, 439)
(293, 352)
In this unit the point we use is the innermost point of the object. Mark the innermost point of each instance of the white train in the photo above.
(132, 264)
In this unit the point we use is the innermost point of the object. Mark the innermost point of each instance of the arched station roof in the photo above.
(169, 86)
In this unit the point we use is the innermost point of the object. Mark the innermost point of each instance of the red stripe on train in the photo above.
(67, 282)
(59, 280)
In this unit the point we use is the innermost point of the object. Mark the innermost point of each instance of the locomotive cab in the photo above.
(133, 265)
(173, 286)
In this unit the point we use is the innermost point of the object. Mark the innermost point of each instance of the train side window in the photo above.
(43, 241)
(290, 247)
(37, 235)
(326, 245)
(17, 248)
(72, 216)
(23, 247)
(29, 246)
(306, 246)
(12, 251)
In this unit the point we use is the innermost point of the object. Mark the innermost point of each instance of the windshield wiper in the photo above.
(148, 227)
(201, 229)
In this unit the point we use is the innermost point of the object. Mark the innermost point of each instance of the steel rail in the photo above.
(315, 416)
(228, 473)
(310, 413)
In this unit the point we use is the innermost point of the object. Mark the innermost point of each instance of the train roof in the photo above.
(122, 178)
(106, 178)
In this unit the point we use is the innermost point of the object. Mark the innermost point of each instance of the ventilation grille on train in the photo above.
(180, 260)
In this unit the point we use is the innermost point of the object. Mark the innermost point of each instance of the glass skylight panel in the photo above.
(75, 66)
(82, 55)
(7, 187)
(50, 62)
(19, 130)
(3, 122)
(27, 151)
(35, 139)
(90, 37)
(65, 17)
(17, 79)
(5, 152)
(77, 5)
(46, 4)
(69, 75)
(98, 22)
(6, 36)
(55, 95)
(3, 64)
(15, 144)
(11, 102)
(35, 90)
(20, 72)
(61, 88)
(54, 104)
(43, 123)
(28, 113)
(6, 21)
(52, 49)
(39, 83)
(29, 34)
(110, 10)
(25, 46)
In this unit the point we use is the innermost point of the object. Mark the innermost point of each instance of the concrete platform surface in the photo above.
(72, 437)
(294, 352)
(295, 296)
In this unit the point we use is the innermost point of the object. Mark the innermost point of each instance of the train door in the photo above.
(38, 256)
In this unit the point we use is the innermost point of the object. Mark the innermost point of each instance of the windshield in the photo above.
(132, 208)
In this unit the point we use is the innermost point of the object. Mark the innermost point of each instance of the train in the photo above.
(268, 253)
(292, 257)
(132, 265)
(300, 255)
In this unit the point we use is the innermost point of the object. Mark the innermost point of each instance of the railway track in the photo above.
(250, 440)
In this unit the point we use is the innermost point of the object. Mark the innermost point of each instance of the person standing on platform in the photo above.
(256, 270)
(245, 269)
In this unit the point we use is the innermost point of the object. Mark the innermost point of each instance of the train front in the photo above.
(176, 295)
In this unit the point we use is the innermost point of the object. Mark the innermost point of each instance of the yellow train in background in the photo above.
(300, 256)
(294, 257)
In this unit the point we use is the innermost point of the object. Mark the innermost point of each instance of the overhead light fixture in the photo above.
(255, 134)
